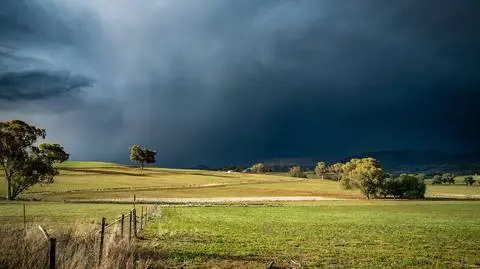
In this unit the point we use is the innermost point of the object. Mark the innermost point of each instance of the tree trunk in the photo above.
(9, 189)
(141, 165)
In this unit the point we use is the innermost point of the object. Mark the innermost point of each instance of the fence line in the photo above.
(144, 218)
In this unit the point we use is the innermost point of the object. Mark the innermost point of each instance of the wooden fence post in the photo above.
(146, 214)
(24, 233)
(102, 235)
(52, 249)
(141, 218)
(134, 219)
(122, 222)
(24, 218)
(130, 226)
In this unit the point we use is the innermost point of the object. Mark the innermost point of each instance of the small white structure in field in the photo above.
(229, 171)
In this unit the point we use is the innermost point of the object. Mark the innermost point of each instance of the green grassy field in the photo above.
(59, 214)
(98, 180)
(334, 234)
(339, 234)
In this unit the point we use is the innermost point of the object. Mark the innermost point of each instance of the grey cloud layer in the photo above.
(218, 81)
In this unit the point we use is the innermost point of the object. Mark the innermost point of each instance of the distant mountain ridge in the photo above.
(393, 161)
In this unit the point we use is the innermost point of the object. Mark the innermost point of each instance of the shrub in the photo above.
(437, 179)
(448, 178)
(258, 168)
(296, 171)
(405, 187)
(469, 180)
(391, 187)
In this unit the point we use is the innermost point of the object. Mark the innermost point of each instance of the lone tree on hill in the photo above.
(142, 155)
(24, 164)
(321, 169)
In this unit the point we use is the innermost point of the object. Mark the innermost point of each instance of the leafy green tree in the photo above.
(296, 171)
(437, 179)
(142, 156)
(23, 163)
(448, 178)
(405, 186)
(389, 187)
(421, 176)
(55, 152)
(321, 169)
(364, 174)
(259, 168)
(468, 180)
(337, 170)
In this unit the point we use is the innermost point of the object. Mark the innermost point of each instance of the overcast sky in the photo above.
(235, 81)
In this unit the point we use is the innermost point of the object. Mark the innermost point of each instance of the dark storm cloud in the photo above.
(33, 85)
(219, 81)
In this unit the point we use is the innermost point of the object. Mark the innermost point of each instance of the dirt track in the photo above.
(243, 199)
(214, 199)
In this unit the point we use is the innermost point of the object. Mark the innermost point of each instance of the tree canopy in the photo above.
(142, 156)
(469, 180)
(23, 163)
(321, 169)
(259, 168)
(296, 171)
(364, 174)
(405, 186)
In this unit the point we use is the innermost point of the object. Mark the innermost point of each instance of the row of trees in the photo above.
(368, 176)
(260, 168)
(446, 178)
(335, 171)
(449, 178)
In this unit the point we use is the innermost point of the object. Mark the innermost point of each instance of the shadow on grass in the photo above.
(450, 199)
(145, 172)
(167, 259)
(104, 172)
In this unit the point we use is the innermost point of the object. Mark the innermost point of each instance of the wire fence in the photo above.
(125, 227)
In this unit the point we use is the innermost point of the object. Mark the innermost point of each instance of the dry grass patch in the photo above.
(76, 248)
